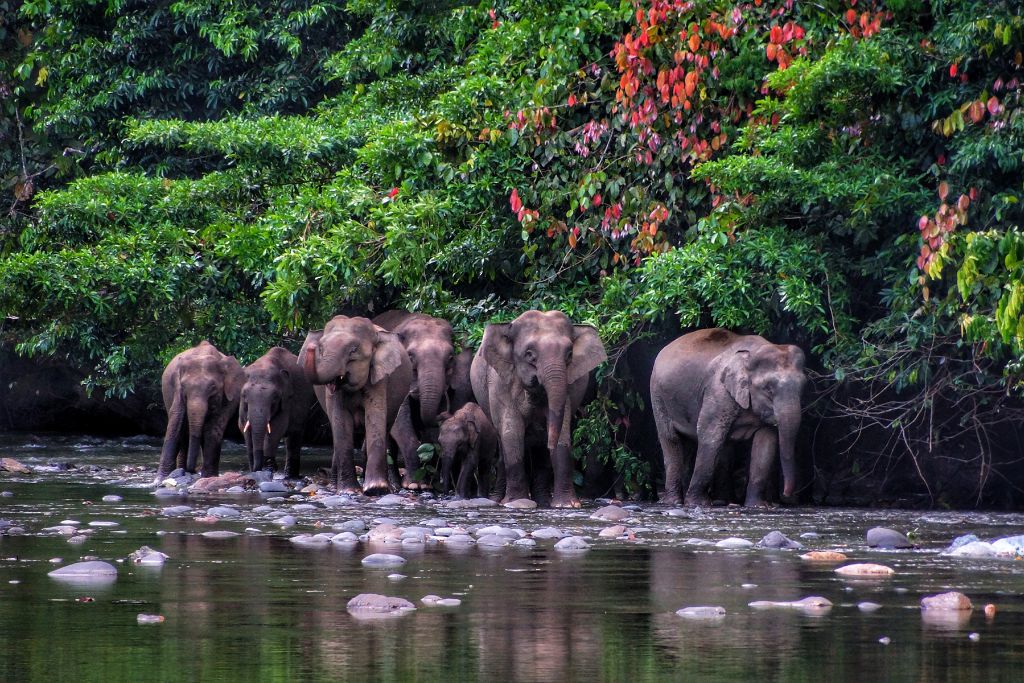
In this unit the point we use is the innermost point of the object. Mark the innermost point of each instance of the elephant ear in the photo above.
(735, 376)
(234, 378)
(472, 432)
(496, 347)
(287, 381)
(796, 356)
(587, 352)
(387, 355)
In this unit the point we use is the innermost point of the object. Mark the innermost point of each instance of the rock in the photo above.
(63, 530)
(881, 537)
(776, 539)
(885, 640)
(525, 543)
(613, 531)
(304, 507)
(146, 556)
(223, 512)
(235, 490)
(960, 541)
(13, 466)
(81, 570)
(104, 523)
(430, 599)
(379, 605)
(702, 612)
(459, 540)
(78, 539)
(548, 532)
(865, 570)
(868, 606)
(354, 525)
(176, 510)
(734, 543)
(334, 501)
(311, 489)
(345, 538)
(947, 602)
(273, 487)
(392, 499)
(824, 556)
(448, 602)
(611, 513)
(383, 560)
(219, 483)
(677, 512)
(521, 504)
(112, 499)
(6, 494)
(286, 520)
(813, 603)
(504, 532)
(492, 541)
(974, 549)
(167, 493)
(383, 533)
(308, 541)
(809, 534)
(974, 636)
(397, 577)
(572, 543)
(470, 503)
(149, 618)
(260, 476)
(220, 534)
(434, 523)
(1009, 546)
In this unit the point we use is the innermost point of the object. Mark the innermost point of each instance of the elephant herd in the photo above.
(396, 381)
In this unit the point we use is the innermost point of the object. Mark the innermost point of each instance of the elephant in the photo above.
(276, 401)
(467, 438)
(716, 386)
(530, 377)
(201, 388)
(428, 343)
(460, 387)
(365, 375)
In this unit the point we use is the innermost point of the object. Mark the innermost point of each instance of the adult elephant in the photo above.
(275, 403)
(716, 386)
(530, 376)
(201, 388)
(428, 342)
(366, 373)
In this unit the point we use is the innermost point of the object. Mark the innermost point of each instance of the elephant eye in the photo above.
(530, 355)
(568, 356)
(352, 351)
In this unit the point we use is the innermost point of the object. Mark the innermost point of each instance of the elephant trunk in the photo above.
(309, 366)
(430, 398)
(258, 425)
(197, 409)
(553, 377)
(787, 413)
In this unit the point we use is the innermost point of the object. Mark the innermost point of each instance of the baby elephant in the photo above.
(469, 436)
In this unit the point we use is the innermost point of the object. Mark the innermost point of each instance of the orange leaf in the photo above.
(572, 240)
(943, 190)
(694, 42)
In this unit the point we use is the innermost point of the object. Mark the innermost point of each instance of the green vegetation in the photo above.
(843, 175)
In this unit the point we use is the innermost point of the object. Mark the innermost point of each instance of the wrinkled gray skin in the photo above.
(275, 403)
(468, 441)
(201, 388)
(530, 377)
(365, 375)
(460, 389)
(716, 386)
(428, 342)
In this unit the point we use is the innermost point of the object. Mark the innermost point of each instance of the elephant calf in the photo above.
(716, 386)
(201, 388)
(467, 439)
(275, 403)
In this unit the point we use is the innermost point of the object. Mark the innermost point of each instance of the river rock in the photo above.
(223, 512)
(881, 537)
(304, 507)
(947, 602)
(470, 503)
(259, 476)
(392, 499)
(824, 556)
(168, 492)
(13, 466)
(219, 483)
(356, 526)
(868, 606)
(702, 612)
(176, 510)
(334, 501)
(776, 539)
(548, 532)
(812, 603)
(520, 504)
(149, 618)
(148, 557)
(91, 569)
(63, 530)
(104, 523)
(112, 499)
(430, 599)
(383, 560)
(734, 543)
(572, 543)
(309, 541)
(78, 539)
(220, 534)
(504, 532)
(345, 538)
(525, 543)
(611, 513)
(459, 540)
(865, 570)
(1009, 546)
(287, 520)
(974, 549)
(613, 531)
(383, 533)
(448, 602)
(677, 512)
(962, 540)
(273, 487)
(492, 541)
(383, 605)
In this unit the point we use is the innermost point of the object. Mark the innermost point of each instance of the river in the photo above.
(257, 607)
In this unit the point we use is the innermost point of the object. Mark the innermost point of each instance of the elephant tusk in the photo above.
(269, 430)
(246, 427)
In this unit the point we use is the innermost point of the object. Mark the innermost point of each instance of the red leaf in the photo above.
(953, 70)
(694, 42)
(993, 105)
(963, 202)
(775, 35)
(572, 100)
(973, 193)
(851, 16)
(393, 193)
(943, 190)
(597, 199)
(922, 223)
(515, 202)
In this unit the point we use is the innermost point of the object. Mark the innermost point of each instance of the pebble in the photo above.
(776, 539)
(459, 539)
(273, 487)
(262, 509)
(973, 549)
(430, 599)
(6, 494)
(990, 610)
(702, 612)
(70, 522)
(613, 531)
(223, 512)
(434, 523)
(56, 560)
(63, 530)
(353, 525)
(334, 501)
(948, 602)
(308, 541)
(500, 531)
(885, 640)
(868, 606)
(78, 539)
(383, 560)
(572, 543)
(149, 618)
(91, 569)
(220, 533)
(812, 603)
(881, 537)
(304, 507)
(287, 520)
(677, 512)
(548, 532)
(168, 492)
(521, 504)
(385, 520)
(176, 510)
(470, 503)
(260, 476)
(525, 543)
(748, 586)
(397, 577)
(866, 569)
(235, 490)
(809, 534)
(734, 543)
(974, 636)
(448, 602)
(611, 513)
(379, 604)
(824, 556)
(112, 499)
(148, 557)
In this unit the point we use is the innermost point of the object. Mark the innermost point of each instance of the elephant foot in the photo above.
(671, 499)
(412, 485)
(698, 500)
(756, 502)
(516, 495)
(376, 487)
(565, 502)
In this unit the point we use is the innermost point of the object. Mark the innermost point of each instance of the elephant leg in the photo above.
(375, 412)
(564, 493)
(762, 461)
(404, 435)
(466, 472)
(482, 466)
(512, 434)
(291, 459)
(710, 438)
(499, 476)
(172, 440)
(342, 466)
(677, 464)
(722, 480)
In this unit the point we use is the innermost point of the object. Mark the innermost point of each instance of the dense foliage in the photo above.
(845, 175)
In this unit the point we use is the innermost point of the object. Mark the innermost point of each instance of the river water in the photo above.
(257, 607)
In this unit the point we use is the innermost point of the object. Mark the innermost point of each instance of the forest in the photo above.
(843, 175)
